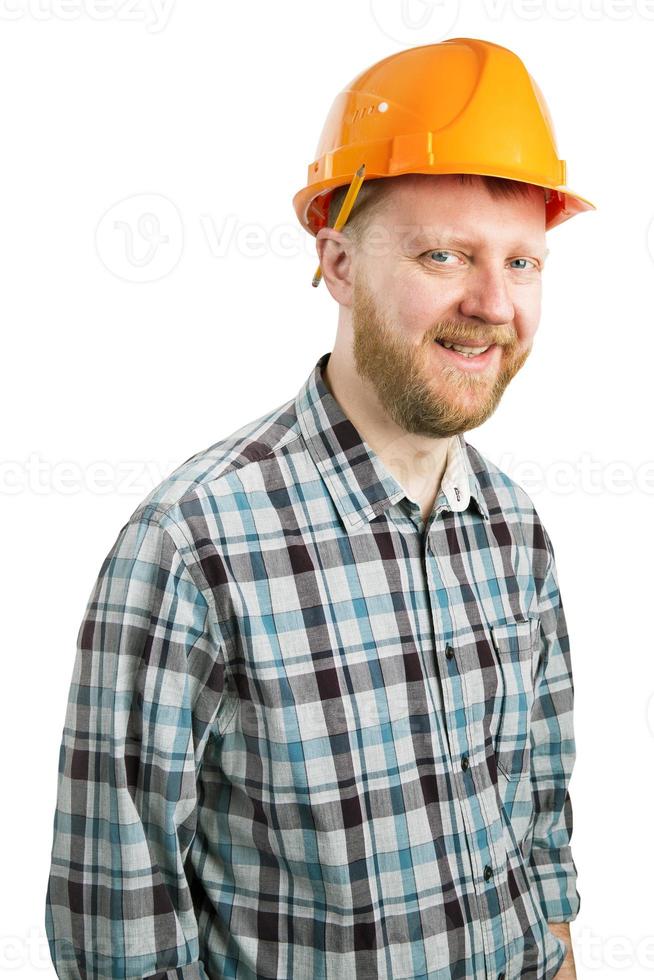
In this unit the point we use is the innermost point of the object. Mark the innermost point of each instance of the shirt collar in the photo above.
(360, 484)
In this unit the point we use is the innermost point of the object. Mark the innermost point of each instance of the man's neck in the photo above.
(417, 462)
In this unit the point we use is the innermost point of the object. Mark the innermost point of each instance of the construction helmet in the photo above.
(461, 106)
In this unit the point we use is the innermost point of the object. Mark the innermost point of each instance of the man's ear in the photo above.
(335, 255)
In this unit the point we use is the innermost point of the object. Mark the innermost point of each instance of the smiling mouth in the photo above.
(467, 349)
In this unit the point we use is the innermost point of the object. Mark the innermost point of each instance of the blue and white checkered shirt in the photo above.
(311, 735)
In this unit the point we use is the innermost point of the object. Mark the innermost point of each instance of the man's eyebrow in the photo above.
(428, 235)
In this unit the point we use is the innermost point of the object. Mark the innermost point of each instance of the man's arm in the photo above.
(562, 931)
(146, 685)
(552, 759)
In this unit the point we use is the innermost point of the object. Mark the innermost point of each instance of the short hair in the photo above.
(375, 190)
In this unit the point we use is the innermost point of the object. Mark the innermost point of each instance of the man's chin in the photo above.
(467, 412)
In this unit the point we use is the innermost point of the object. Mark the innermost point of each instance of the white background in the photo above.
(128, 346)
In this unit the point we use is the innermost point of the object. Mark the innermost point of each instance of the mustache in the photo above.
(458, 333)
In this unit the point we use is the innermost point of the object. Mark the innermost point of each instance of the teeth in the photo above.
(469, 351)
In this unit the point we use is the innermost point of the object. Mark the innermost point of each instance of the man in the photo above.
(320, 721)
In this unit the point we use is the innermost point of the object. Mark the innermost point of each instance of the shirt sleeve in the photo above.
(553, 757)
(146, 686)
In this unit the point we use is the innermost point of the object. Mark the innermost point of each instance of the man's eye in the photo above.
(534, 265)
(440, 252)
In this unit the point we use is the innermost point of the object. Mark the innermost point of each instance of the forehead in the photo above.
(422, 206)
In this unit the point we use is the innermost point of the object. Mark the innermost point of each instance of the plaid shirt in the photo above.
(310, 735)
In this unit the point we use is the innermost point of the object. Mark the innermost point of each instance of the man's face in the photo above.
(443, 260)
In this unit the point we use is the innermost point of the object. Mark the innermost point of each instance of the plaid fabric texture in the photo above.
(310, 735)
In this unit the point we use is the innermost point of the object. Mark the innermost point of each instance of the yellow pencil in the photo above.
(344, 213)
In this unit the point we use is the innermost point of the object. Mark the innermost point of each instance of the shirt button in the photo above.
(488, 871)
(449, 652)
(464, 762)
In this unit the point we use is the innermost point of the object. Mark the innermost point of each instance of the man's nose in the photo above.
(486, 296)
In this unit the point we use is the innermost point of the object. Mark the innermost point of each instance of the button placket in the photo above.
(460, 730)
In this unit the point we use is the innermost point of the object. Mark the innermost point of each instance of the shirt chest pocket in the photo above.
(516, 652)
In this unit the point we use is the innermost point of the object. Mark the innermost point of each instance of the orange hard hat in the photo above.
(461, 106)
